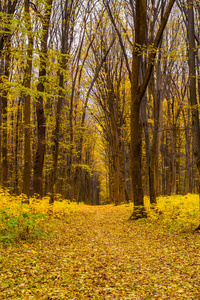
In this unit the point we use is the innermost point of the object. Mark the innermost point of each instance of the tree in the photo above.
(192, 86)
(39, 158)
(27, 107)
(7, 10)
(68, 22)
(138, 90)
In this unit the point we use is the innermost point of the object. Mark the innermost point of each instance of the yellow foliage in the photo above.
(17, 204)
(181, 212)
(23, 219)
(178, 212)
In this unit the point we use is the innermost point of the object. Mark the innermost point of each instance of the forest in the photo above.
(99, 149)
(96, 96)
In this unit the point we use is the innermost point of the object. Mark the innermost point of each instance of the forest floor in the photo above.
(96, 253)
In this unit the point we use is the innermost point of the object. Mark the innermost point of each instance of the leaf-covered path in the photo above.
(97, 254)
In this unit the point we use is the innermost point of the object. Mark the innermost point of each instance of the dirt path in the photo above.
(98, 254)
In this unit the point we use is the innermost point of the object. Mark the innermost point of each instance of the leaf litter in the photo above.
(96, 253)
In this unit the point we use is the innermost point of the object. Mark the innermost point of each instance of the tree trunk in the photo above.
(16, 173)
(136, 135)
(192, 80)
(40, 152)
(137, 92)
(27, 108)
(193, 92)
(5, 120)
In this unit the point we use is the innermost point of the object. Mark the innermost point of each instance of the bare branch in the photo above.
(154, 46)
(95, 78)
(119, 36)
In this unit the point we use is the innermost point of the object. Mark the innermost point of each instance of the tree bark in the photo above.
(27, 107)
(40, 152)
(137, 92)
(193, 91)
(4, 99)
(192, 82)
(136, 135)
(64, 63)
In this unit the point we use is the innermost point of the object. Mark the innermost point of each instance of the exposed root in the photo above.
(197, 229)
(139, 212)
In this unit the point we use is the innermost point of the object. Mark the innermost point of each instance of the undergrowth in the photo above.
(96, 253)
(176, 212)
(21, 221)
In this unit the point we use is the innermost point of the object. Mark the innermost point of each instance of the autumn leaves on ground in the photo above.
(97, 253)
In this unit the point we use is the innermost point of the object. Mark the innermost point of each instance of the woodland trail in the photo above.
(97, 254)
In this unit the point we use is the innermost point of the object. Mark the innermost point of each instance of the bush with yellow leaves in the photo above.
(177, 211)
(20, 218)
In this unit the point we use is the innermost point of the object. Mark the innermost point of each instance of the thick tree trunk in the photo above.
(136, 135)
(136, 153)
(40, 152)
(137, 92)
(66, 43)
(193, 91)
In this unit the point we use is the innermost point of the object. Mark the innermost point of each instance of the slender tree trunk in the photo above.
(27, 108)
(16, 173)
(39, 159)
(115, 140)
(155, 147)
(5, 120)
(173, 155)
(0, 131)
(145, 125)
(56, 145)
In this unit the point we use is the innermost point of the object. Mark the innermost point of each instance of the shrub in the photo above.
(179, 212)
(19, 224)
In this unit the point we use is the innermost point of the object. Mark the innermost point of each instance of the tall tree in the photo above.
(138, 90)
(7, 10)
(192, 86)
(43, 54)
(69, 14)
(27, 107)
